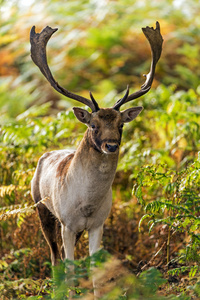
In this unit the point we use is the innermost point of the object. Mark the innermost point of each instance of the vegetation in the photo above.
(151, 238)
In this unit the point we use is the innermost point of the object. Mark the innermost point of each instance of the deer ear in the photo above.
(131, 113)
(82, 115)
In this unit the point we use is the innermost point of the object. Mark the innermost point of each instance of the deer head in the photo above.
(105, 125)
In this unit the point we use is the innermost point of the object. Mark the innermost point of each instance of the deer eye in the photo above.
(121, 126)
(94, 128)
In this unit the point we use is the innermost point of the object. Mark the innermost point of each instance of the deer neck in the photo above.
(92, 166)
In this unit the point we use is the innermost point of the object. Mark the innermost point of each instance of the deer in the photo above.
(77, 185)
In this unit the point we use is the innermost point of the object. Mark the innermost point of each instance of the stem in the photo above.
(168, 244)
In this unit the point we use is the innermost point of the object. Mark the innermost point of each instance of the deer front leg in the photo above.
(69, 238)
(95, 236)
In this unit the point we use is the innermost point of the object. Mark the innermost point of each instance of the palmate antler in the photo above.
(38, 55)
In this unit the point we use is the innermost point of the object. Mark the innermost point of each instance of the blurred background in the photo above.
(100, 47)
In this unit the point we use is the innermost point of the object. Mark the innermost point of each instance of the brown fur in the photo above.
(51, 229)
(64, 166)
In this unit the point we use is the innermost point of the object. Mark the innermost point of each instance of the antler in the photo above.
(155, 40)
(38, 55)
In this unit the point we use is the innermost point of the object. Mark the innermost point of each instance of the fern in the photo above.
(177, 205)
(19, 210)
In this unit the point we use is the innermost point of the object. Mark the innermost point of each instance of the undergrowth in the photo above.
(115, 281)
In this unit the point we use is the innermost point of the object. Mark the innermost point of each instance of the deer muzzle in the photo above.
(110, 147)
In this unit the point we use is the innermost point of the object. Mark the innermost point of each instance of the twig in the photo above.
(152, 259)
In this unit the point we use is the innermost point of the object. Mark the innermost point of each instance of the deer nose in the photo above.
(111, 147)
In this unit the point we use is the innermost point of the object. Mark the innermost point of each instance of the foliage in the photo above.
(166, 133)
(101, 46)
(116, 282)
(175, 205)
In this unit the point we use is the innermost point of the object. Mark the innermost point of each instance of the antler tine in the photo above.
(94, 102)
(38, 55)
(155, 40)
(122, 100)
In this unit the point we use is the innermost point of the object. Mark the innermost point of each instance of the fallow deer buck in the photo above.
(78, 185)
